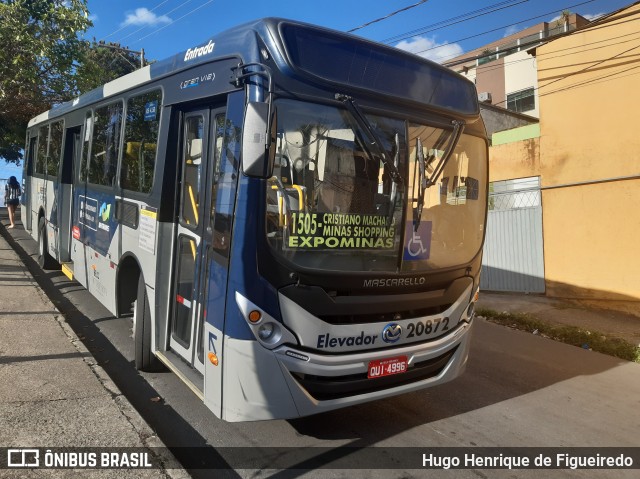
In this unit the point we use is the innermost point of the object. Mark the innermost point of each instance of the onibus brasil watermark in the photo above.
(35, 458)
(560, 460)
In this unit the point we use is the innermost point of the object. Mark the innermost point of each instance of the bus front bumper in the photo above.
(288, 382)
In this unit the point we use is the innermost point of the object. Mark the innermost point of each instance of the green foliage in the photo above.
(44, 62)
(39, 41)
(576, 336)
(99, 64)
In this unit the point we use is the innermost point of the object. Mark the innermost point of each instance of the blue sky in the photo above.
(165, 27)
(9, 169)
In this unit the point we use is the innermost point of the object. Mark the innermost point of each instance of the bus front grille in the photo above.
(324, 388)
(384, 317)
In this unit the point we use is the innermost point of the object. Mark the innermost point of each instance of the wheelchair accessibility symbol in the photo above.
(418, 243)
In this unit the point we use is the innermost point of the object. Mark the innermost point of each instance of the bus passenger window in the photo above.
(82, 170)
(142, 122)
(105, 145)
(41, 157)
(55, 149)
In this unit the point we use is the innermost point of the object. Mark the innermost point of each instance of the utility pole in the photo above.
(119, 48)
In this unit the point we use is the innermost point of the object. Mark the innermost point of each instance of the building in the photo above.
(505, 73)
(580, 164)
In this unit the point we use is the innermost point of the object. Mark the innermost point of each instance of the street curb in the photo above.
(171, 468)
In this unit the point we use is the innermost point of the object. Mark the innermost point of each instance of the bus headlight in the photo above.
(266, 331)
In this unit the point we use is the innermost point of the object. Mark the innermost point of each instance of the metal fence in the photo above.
(513, 253)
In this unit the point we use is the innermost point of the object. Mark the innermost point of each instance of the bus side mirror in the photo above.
(258, 140)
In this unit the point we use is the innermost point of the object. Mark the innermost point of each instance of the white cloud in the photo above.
(431, 49)
(143, 16)
(510, 31)
(593, 16)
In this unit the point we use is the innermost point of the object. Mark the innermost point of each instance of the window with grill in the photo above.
(521, 101)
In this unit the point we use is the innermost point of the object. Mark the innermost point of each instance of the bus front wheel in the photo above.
(145, 359)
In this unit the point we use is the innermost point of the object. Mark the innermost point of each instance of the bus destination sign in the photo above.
(322, 231)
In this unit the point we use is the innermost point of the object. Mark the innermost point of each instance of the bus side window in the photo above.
(41, 156)
(55, 149)
(82, 169)
(105, 145)
(142, 122)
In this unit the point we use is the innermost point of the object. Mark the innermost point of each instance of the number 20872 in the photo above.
(427, 327)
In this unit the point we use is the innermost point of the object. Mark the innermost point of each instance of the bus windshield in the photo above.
(333, 205)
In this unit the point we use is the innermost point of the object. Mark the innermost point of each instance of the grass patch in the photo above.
(567, 334)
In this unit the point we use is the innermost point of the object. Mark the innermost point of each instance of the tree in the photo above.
(40, 44)
(100, 63)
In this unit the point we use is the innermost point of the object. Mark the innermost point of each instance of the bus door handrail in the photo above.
(282, 191)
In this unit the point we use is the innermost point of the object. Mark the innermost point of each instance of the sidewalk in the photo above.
(52, 391)
(585, 315)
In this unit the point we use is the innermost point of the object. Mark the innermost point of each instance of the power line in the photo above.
(387, 16)
(501, 28)
(587, 82)
(147, 26)
(450, 21)
(600, 25)
(582, 71)
(175, 21)
(490, 66)
(122, 28)
(590, 66)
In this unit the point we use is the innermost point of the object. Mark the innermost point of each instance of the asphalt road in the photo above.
(519, 390)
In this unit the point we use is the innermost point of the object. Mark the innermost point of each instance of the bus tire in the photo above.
(45, 260)
(145, 359)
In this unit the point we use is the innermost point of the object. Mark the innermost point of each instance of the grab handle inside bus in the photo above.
(258, 140)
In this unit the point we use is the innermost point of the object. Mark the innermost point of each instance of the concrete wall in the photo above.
(588, 99)
(519, 159)
(490, 78)
(500, 119)
(519, 74)
(517, 134)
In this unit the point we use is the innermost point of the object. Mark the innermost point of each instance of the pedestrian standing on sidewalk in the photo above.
(12, 194)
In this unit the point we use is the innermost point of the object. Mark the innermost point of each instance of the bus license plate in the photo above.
(387, 367)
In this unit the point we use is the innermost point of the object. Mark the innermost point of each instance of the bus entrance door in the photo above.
(27, 211)
(197, 164)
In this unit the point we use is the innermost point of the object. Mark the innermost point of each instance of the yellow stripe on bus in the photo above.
(68, 272)
(148, 213)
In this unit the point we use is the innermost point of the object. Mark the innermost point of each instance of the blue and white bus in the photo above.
(292, 216)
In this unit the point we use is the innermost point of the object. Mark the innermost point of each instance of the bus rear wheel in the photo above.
(45, 260)
(145, 359)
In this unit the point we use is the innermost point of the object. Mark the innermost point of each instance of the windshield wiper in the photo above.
(394, 187)
(372, 137)
(458, 127)
(422, 177)
(423, 182)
